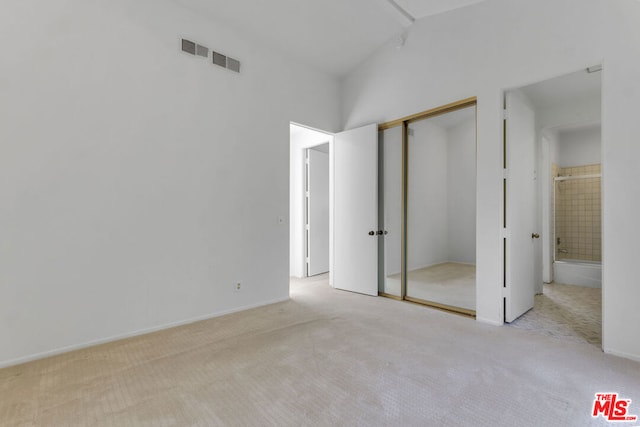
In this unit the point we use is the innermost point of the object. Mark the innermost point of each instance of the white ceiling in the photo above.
(579, 128)
(323, 148)
(310, 137)
(421, 8)
(332, 35)
(566, 89)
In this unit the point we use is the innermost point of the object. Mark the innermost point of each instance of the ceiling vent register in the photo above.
(217, 58)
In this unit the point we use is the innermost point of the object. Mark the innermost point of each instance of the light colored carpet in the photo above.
(567, 312)
(326, 357)
(448, 283)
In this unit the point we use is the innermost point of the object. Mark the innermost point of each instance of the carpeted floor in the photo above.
(566, 312)
(449, 283)
(326, 357)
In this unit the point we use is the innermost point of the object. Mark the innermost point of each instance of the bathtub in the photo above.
(578, 272)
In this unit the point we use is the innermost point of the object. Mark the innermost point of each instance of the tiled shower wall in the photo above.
(578, 214)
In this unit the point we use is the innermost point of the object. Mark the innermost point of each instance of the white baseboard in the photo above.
(420, 267)
(66, 349)
(489, 321)
(622, 354)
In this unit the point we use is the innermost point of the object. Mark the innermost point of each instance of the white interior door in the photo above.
(356, 210)
(317, 212)
(521, 206)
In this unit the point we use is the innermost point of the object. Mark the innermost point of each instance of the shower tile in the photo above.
(578, 212)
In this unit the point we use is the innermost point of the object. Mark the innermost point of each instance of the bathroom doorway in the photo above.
(568, 301)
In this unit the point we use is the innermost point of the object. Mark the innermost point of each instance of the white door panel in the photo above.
(521, 206)
(318, 213)
(356, 210)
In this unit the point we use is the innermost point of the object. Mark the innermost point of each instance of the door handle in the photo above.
(381, 232)
(372, 233)
(535, 236)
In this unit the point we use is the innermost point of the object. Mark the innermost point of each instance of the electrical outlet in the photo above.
(237, 286)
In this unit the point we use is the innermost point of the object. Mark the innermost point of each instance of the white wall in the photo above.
(301, 138)
(549, 155)
(461, 192)
(579, 147)
(495, 45)
(552, 138)
(139, 183)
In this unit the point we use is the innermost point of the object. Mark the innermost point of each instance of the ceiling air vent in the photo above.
(202, 51)
(220, 59)
(233, 64)
(217, 58)
(188, 46)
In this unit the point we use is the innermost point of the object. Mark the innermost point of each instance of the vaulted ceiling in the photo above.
(332, 35)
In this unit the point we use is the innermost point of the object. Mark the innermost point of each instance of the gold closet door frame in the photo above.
(404, 122)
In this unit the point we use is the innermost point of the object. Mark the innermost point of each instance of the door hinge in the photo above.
(505, 292)
(503, 233)
(505, 173)
(505, 114)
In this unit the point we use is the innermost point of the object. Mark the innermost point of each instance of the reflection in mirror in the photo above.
(390, 214)
(441, 210)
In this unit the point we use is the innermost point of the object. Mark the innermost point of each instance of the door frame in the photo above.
(503, 92)
(297, 241)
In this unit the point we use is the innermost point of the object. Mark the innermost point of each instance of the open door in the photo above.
(356, 210)
(520, 206)
(317, 212)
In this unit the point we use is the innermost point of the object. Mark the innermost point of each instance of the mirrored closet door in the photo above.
(441, 210)
(428, 208)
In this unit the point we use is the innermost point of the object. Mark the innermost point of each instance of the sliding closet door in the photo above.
(441, 211)
(427, 207)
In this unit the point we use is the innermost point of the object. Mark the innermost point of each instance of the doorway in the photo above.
(309, 201)
(567, 186)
